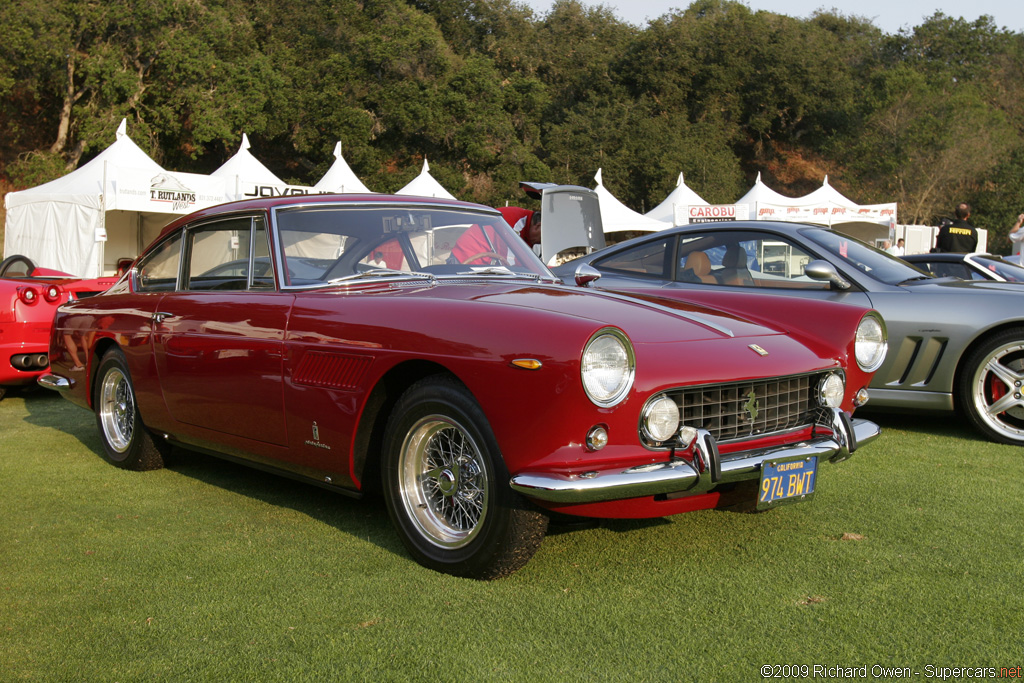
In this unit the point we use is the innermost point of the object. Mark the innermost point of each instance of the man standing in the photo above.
(1017, 238)
(959, 236)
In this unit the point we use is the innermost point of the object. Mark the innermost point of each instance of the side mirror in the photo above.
(825, 272)
(585, 274)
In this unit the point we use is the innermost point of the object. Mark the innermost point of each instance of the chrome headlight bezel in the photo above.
(828, 394)
(871, 342)
(663, 404)
(608, 340)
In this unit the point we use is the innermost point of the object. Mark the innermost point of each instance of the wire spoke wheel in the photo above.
(446, 485)
(443, 481)
(117, 410)
(126, 441)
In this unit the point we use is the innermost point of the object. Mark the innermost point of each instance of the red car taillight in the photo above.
(52, 293)
(28, 295)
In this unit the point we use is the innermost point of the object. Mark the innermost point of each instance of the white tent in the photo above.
(424, 185)
(245, 175)
(340, 178)
(828, 194)
(871, 223)
(762, 194)
(680, 198)
(617, 217)
(107, 209)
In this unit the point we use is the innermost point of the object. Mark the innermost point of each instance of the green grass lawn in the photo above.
(908, 556)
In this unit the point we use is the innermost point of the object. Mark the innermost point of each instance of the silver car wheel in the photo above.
(997, 390)
(117, 410)
(443, 481)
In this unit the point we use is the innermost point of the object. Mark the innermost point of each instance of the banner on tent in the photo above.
(707, 213)
(827, 213)
(248, 190)
(164, 192)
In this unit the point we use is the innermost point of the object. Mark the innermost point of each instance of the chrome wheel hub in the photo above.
(117, 410)
(443, 482)
(998, 390)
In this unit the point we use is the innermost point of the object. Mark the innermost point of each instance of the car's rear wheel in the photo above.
(991, 387)
(126, 441)
(447, 489)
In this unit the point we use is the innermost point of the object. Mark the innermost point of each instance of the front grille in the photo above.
(743, 410)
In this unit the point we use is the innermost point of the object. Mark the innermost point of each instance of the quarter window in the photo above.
(158, 271)
(647, 260)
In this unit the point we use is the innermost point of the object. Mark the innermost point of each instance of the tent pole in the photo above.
(103, 222)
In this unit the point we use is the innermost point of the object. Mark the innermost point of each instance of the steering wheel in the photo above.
(485, 254)
(8, 263)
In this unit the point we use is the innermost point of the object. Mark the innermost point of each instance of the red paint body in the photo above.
(297, 379)
(25, 327)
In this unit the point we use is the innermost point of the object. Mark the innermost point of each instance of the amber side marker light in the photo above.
(527, 363)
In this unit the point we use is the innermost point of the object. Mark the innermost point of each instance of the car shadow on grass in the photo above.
(365, 518)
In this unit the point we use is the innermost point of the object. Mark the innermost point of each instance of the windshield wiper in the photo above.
(915, 279)
(500, 271)
(381, 272)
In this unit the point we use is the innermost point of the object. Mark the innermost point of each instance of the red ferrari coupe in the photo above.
(29, 297)
(418, 347)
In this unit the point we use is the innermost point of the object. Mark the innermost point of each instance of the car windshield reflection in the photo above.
(866, 259)
(325, 245)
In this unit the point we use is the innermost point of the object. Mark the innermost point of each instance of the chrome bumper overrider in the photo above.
(55, 382)
(708, 470)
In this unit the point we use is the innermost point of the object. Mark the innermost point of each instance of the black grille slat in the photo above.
(730, 412)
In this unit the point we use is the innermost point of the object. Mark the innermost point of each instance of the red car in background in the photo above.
(418, 347)
(29, 297)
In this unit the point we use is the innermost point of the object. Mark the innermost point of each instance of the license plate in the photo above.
(788, 481)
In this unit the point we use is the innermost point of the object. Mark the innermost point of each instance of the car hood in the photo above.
(949, 285)
(647, 318)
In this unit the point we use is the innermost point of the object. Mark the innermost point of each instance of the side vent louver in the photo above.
(331, 370)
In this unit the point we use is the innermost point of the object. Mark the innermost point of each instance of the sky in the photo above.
(888, 15)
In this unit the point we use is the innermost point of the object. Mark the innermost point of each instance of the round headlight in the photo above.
(831, 391)
(661, 419)
(871, 343)
(607, 367)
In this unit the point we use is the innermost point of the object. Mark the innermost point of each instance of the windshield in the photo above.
(331, 243)
(864, 258)
(1010, 272)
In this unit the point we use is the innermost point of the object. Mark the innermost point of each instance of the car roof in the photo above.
(267, 203)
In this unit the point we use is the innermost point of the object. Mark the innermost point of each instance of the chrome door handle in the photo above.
(160, 317)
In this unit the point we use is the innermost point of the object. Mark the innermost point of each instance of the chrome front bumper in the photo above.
(707, 471)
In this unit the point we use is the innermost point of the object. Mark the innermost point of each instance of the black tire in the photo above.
(447, 489)
(8, 263)
(126, 441)
(990, 388)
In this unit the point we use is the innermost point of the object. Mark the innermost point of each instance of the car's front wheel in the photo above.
(447, 489)
(126, 441)
(991, 387)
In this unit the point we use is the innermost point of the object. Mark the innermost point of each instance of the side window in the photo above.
(218, 255)
(944, 269)
(646, 260)
(158, 271)
(744, 259)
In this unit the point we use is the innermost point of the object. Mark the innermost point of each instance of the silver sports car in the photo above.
(953, 345)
